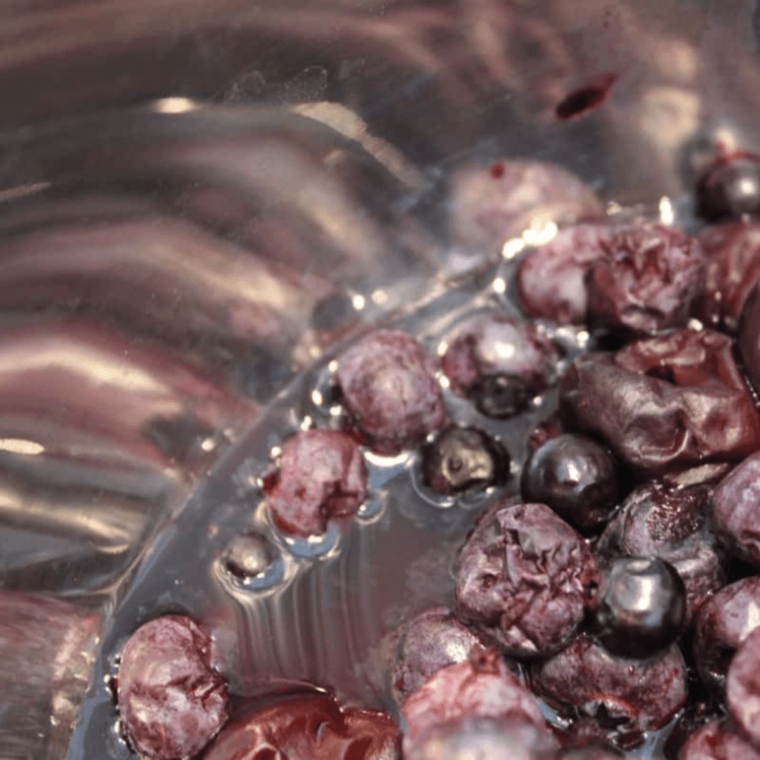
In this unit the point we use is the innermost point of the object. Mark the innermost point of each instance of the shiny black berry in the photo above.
(642, 606)
(730, 189)
(463, 459)
(575, 476)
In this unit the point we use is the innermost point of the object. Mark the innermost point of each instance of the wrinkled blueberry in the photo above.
(499, 364)
(671, 401)
(524, 578)
(482, 688)
(749, 338)
(697, 713)
(575, 476)
(551, 279)
(722, 624)
(389, 388)
(733, 268)
(463, 459)
(743, 688)
(321, 475)
(645, 282)
(428, 643)
(717, 740)
(171, 701)
(309, 725)
(642, 606)
(493, 204)
(730, 189)
(626, 697)
(477, 738)
(736, 510)
(670, 522)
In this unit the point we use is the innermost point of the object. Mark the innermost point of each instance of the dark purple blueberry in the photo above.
(697, 713)
(733, 268)
(463, 459)
(667, 402)
(428, 643)
(389, 388)
(576, 477)
(670, 522)
(551, 279)
(645, 282)
(321, 475)
(730, 189)
(717, 740)
(482, 688)
(642, 606)
(524, 578)
(247, 555)
(309, 725)
(471, 738)
(749, 338)
(499, 364)
(625, 697)
(171, 700)
(736, 510)
(722, 624)
(491, 205)
(743, 688)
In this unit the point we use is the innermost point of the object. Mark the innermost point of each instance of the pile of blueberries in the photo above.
(619, 594)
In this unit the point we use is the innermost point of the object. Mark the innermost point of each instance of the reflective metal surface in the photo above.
(198, 198)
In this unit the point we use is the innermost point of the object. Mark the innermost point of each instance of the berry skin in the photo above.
(730, 189)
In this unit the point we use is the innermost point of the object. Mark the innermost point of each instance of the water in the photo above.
(170, 308)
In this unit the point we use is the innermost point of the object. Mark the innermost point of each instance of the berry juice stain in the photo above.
(585, 99)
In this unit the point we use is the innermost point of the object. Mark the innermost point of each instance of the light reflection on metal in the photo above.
(500, 285)
(380, 297)
(667, 215)
(539, 233)
(22, 191)
(512, 247)
(174, 105)
(358, 302)
(21, 446)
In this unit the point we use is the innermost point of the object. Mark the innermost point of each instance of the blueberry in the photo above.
(307, 725)
(499, 364)
(172, 702)
(743, 688)
(463, 459)
(730, 189)
(642, 606)
(624, 697)
(525, 578)
(389, 388)
(321, 476)
(575, 476)
(645, 282)
(718, 740)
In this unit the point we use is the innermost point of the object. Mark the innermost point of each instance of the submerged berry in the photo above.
(463, 459)
(389, 388)
(499, 364)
